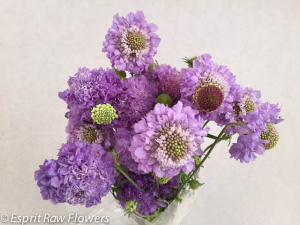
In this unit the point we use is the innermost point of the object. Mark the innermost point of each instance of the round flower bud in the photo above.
(162, 180)
(131, 206)
(179, 198)
(104, 114)
(271, 135)
(194, 184)
(164, 99)
(152, 67)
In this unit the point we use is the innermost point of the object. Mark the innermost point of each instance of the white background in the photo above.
(42, 43)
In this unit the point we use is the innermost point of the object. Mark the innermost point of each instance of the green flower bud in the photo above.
(131, 206)
(162, 180)
(104, 114)
(152, 67)
(194, 184)
(164, 99)
(179, 198)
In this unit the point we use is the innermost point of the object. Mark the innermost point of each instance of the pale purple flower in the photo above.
(166, 139)
(131, 43)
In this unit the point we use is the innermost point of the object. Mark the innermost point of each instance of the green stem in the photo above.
(157, 186)
(211, 147)
(162, 200)
(206, 122)
(128, 177)
(211, 136)
(121, 199)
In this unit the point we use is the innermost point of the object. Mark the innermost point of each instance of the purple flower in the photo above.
(90, 87)
(147, 200)
(250, 141)
(82, 174)
(208, 87)
(138, 97)
(168, 80)
(131, 43)
(166, 139)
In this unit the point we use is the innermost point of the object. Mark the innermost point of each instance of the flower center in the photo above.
(104, 114)
(249, 105)
(173, 144)
(271, 135)
(89, 134)
(136, 40)
(208, 97)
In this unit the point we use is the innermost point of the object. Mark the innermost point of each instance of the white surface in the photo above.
(42, 43)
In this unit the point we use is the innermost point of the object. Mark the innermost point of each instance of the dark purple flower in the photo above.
(147, 200)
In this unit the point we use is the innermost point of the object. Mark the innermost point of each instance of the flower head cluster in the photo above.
(166, 139)
(82, 174)
(131, 43)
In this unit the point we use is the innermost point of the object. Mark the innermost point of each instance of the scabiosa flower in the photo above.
(90, 87)
(208, 87)
(167, 79)
(131, 43)
(259, 133)
(82, 174)
(166, 139)
(138, 97)
(146, 200)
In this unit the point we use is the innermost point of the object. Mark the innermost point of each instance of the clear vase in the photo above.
(173, 215)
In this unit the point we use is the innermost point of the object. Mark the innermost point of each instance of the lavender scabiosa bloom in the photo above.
(82, 174)
(166, 139)
(259, 133)
(147, 203)
(131, 43)
(138, 97)
(167, 79)
(90, 87)
(208, 87)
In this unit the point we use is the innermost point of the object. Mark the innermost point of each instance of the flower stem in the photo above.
(128, 177)
(206, 122)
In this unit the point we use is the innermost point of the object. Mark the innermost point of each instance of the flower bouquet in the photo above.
(136, 130)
